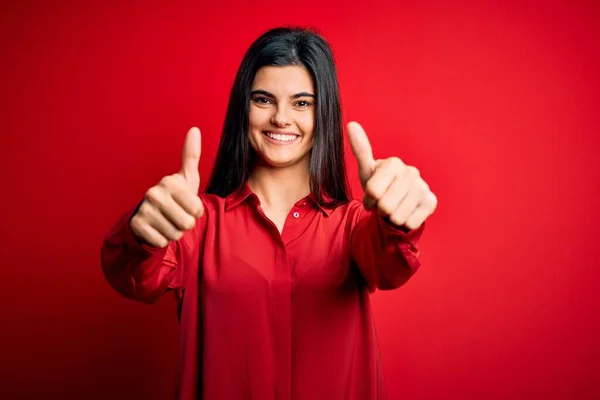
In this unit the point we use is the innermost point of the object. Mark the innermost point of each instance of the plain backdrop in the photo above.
(497, 103)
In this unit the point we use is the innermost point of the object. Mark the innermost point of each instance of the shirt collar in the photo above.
(240, 195)
(244, 193)
(325, 209)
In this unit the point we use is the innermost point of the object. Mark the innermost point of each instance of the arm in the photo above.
(384, 242)
(143, 272)
(386, 255)
(151, 247)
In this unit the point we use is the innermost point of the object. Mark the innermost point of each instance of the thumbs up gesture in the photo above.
(394, 188)
(172, 206)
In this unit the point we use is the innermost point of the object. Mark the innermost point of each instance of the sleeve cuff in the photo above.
(411, 236)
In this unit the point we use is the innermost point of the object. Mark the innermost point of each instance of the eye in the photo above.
(261, 100)
(303, 103)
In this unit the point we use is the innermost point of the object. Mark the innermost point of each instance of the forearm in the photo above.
(136, 270)
(386, 255)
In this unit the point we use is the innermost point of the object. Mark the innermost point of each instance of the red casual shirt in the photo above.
(266, 315)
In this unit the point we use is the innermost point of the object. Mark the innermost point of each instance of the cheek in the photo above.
(307, 124)
(257, 118)
(253, 125)
(252, 118)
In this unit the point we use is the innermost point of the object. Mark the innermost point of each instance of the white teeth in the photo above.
(281, 138)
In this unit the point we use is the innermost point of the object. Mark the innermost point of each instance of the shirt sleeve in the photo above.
(143, 272)
(386, 255)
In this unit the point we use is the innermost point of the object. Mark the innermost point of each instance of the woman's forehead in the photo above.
(286, 80)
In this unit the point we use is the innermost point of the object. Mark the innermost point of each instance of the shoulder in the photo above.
(351, 211)
(351, 207)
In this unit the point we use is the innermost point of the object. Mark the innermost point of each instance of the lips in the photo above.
(281, 136)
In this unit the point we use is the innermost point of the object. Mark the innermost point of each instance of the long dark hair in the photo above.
(235, 158)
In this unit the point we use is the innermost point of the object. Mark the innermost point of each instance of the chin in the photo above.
(279, 162)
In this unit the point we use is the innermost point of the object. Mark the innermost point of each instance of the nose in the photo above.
(280, 117)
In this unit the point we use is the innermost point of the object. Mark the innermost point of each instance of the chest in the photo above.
(276, 216)
(300, 250)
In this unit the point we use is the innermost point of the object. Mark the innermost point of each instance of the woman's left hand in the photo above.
(394, 188)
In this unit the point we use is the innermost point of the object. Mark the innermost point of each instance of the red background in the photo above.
(496, 103)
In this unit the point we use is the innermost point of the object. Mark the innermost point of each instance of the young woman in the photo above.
(274, 264)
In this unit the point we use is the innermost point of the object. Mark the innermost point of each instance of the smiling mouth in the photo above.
(281, 137)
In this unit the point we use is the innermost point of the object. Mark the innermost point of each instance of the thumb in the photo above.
(361, 147)
(191, 158)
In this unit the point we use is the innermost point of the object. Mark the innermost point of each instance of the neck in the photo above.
(280, 187)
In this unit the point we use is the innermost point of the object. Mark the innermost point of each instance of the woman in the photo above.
(273, 264)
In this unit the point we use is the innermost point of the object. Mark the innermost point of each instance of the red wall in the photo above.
(497, 104)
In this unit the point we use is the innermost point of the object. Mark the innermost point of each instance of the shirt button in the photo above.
(296, 214)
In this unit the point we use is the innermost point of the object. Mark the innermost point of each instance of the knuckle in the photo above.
(396, 220)
(372, 189)
(183, 223)
(197, 208)
(171, 182)
(399, 218)
(176, 235)
(153, 194)
(188, 222)
(410, 224)
(135, 223)
(143, 210)
(166, 180)
(414, 171)
(385, 206)
(395, 161)
(434, 200)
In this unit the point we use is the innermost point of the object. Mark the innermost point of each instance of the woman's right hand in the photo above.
(173, 205)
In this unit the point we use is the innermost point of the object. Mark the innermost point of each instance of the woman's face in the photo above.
(282, 115)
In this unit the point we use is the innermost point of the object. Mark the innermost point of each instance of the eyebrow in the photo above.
(294, 96)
